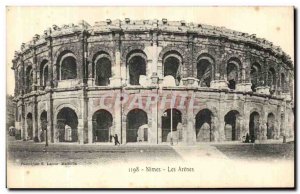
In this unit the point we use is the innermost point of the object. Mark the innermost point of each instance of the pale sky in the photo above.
(275, 24)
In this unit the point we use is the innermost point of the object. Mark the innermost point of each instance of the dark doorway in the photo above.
(29, 126)
(232, 128)
(270, 126)
(254, 124)
(166, 125)
(102, 122)
(203, 126)
(43, 126)
(137, 121)
(67, 123)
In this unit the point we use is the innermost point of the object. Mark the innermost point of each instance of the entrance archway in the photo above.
(270, 126)
(102, 122)
(29, 126)
(232, 126)
(43, 125)
(137, 126)
(203, 126)
(254, 124)
(176, 128)
(67, 123)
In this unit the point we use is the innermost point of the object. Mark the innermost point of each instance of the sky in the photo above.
(275, 24)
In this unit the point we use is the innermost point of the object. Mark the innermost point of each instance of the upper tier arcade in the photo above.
(144, 52)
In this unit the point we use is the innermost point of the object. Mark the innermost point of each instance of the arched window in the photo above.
(102, 70)
(272, 80)
(67, 68)
(232, 71)
(171, 66)
(43, 73)
(255, 76)
(282, 82)
(205, 71)
(29, 78)
(136, 65)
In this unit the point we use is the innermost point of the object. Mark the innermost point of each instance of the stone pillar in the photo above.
(263, 88)
(23, 126)
(51, 127)
(80, 130)
(90, 79)
(51, 67)
(119, 126)
(246, 118)
(123, 131)
(85, 110)
(191, 81)
(16, 73)
(154, 119)
(115, 80)
(90, 130)
(263, 123)
(244, 83)
(159, 126)
(219, 79)
(34, 71)
(35, 118)
(190, 130)
(219, 119)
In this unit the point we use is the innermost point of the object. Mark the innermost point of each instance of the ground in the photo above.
(27, 152)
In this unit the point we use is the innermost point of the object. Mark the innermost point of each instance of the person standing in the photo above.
(116, 140)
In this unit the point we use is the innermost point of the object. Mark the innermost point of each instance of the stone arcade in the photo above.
(244, 83)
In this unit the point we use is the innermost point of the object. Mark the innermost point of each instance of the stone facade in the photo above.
(244, 84)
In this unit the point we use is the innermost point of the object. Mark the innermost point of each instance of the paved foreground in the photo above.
(29, 152)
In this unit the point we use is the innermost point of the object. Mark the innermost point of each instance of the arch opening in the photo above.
(204, 72)
(172, 68)
(254, 125)
(232, 126)
(272, 80)
(137, 126)
(44, 124)
(29, 126)
(136, 64)
(255, 76)
(176, 125)
(102, 123)
(282, 82)
(29, 78)
(44, 73)
(67, 123)
(204, 132)
(68, 67)
(103, 71)
(232, 74)
(271, 126)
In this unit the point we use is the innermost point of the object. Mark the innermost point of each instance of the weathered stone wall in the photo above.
(155, 40)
